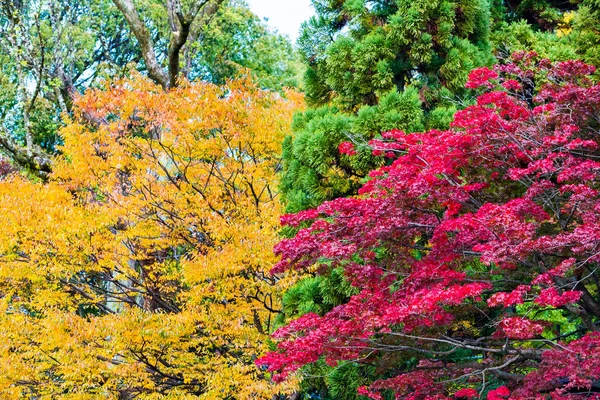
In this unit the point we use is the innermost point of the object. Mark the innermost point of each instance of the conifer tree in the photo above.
(587, 33)
(374, 65)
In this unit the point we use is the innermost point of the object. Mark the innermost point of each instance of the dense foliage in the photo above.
(473, 254)
(141, 267)
(373, 66)
(419, 98)
(441, 186)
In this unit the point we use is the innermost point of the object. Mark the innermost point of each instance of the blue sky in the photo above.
(283, 15)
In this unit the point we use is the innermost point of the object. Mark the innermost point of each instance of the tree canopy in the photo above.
(374, 66)
(141, 267)
(473, 255)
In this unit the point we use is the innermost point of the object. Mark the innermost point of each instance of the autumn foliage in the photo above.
(474, 251)
(141, 267)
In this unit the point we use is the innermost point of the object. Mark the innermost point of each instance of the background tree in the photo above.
(236, 40)
(140, 270)
(54, 50)
(473, 256)
(47, 46)
(182, 22)
(586, 31)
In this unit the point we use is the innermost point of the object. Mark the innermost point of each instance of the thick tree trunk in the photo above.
(137, 26)
(200, 12)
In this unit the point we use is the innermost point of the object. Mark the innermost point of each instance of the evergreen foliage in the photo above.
(374, 65)
(587, 31)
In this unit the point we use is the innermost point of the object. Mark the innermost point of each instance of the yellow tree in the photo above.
(140, 270)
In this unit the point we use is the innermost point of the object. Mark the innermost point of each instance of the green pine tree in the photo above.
(374, 66)
(586, 27)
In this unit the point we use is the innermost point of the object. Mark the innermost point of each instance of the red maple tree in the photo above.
(462, 247)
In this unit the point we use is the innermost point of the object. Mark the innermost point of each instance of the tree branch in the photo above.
(34, 159)
(155, 71)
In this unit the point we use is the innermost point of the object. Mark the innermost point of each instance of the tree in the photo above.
(140, 268)
(373, 66)
(557, 30)
(47, 49)
(473, 254)
(542, 15)
(586, 31)
(235, 41)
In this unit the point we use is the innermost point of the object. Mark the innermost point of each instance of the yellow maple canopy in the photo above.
(140, 270)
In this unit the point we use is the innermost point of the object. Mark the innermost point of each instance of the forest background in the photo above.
(150, 148)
